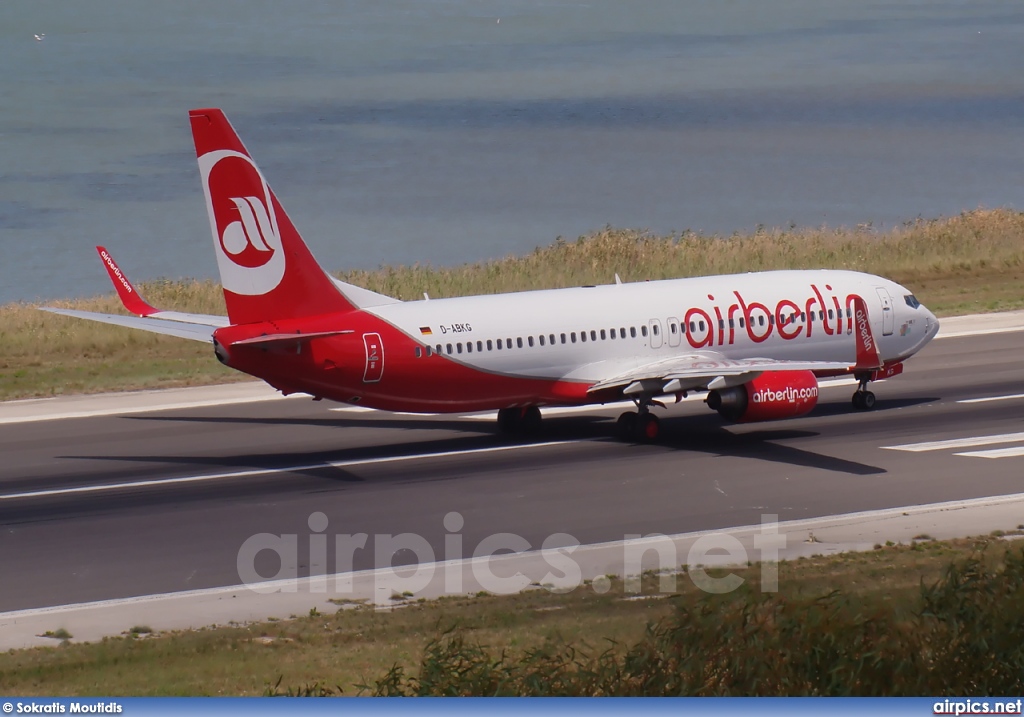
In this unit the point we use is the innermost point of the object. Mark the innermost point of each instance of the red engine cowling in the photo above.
(769, 397)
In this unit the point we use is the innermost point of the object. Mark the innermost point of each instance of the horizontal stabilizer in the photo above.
(195, 332)
(286, 339)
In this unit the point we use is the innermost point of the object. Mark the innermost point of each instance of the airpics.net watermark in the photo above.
(497, 562)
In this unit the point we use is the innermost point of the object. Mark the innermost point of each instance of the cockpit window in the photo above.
(912, 301)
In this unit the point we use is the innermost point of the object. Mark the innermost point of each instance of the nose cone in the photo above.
(931, 324)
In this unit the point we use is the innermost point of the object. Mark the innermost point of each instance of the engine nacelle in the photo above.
(771, 396)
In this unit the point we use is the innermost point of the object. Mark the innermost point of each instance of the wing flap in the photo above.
(700, 369)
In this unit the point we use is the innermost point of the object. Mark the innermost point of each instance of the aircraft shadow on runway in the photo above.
(702, 434)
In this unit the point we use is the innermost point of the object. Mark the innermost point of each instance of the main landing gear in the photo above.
(519, 421)
(863, 399)
(641, 425)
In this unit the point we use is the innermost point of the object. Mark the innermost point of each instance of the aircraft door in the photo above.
(675, 329)
(655, 335)
(888, 320)
(374, 358)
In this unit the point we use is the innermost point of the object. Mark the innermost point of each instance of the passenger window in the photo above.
(702, 328)
(529, 340)
(593, 335)
(449, 347)
(499, 344)
(572, 336)
(519, 341)
(771, 319)
(654, 329)
(563, 338)
(604, 336)
(439, 348)
(672, 328)
(551, 337)
(732, 323)
(643, 330)
(693, 326)
(541, 337)
(741, 322)
(508, 343)
(721, 324)
(428, 351)
(760, 320)
(469, 347)
(583, 336)
(458, 347)
(831, 315)
(418, 352)
(479, 346)
(632, 331)
(611, 334)
(490, 345)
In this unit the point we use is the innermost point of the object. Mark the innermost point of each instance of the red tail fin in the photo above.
(868, 357)
(266, 269)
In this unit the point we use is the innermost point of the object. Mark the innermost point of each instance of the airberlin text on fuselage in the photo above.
(760, 321)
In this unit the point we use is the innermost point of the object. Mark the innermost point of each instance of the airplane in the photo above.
(756, 344)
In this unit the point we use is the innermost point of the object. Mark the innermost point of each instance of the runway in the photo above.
(111, 506)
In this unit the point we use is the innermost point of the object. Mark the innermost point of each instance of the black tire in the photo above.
(530, 421)
(625, 427)
(509, 420)
(648, 428)
(867, 401)
(858, 400)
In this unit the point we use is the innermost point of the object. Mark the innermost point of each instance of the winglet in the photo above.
(868, 357)
(129, 296)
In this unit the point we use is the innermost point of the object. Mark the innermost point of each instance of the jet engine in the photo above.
(771, 396)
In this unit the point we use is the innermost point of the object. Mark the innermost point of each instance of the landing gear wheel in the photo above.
(519, 421)
(625, 427)
(529, 421)
(863, 400)
(508, 420)
(648, 428)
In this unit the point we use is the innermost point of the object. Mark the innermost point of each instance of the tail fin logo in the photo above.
(248, 242)
(244, 223)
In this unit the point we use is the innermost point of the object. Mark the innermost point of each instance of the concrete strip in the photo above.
(128, 402)
(980, 324)
(89, 622)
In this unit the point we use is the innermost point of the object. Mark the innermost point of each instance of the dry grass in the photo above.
(358, 646)
(971, 262)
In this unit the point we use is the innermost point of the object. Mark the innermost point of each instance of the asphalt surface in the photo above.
(276, 461)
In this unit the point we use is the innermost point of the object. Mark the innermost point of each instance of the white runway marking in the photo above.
(958, 443)
(995, 453)
(269, 471)
(986, 399)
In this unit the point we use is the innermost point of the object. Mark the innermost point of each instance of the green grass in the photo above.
(973, 262)
(871, 602)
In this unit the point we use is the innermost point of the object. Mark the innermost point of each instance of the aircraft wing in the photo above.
(183, 330)
(705, 369)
